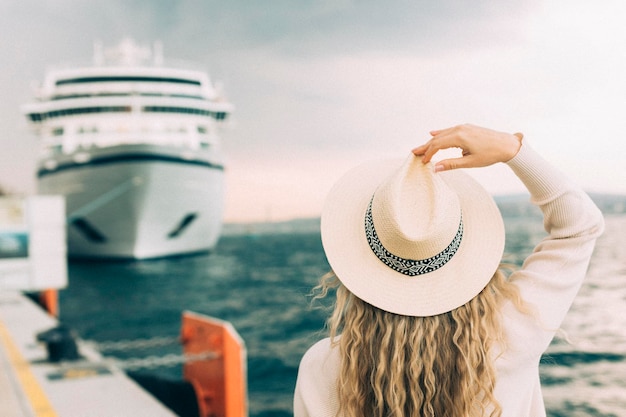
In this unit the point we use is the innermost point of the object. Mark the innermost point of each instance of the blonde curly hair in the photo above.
(400, 366)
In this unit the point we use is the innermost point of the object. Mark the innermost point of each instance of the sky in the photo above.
(321, 86)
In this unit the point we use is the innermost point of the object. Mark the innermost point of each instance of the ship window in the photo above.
(185, 110)
(202, 129)
(37, 117)
(71, 96)
(57, 131)
(106, 79)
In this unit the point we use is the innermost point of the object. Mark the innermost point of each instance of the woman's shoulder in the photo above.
(318, 349)
(321, 355)
(316, 385)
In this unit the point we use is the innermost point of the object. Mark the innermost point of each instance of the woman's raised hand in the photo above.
(480, 146)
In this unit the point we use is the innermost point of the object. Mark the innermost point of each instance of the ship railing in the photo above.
(85, 141)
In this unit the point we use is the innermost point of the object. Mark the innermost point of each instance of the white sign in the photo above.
(33, 248)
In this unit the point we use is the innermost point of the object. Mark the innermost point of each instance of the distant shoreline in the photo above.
(511, 206)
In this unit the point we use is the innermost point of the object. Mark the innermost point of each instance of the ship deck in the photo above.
(31, 386)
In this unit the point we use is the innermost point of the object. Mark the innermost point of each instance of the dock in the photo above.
(46, 370)
(34, 383)
(32, 386)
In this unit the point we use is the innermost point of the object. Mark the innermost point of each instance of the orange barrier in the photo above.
(49, 300)
(220, 382)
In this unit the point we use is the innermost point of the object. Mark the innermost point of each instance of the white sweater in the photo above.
(548, 281)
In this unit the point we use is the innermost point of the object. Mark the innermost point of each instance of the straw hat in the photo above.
(411, 241)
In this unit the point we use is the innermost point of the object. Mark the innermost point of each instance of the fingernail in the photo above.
(439, 168)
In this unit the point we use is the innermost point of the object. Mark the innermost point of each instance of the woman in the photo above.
(425, 322)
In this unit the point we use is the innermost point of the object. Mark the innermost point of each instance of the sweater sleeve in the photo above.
(552, 275)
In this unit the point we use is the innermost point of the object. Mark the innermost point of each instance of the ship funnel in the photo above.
(128, 53)
(158, 53)
(98, 53)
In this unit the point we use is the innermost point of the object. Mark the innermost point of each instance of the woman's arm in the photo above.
(553, 273)
(551, 276)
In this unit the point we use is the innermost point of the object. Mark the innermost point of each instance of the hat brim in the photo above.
(437, 292)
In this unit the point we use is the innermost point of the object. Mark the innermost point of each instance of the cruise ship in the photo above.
(134, 146)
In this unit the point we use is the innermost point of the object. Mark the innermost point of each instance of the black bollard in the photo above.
(60, 344)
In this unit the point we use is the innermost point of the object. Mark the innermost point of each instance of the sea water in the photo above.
(261, 281)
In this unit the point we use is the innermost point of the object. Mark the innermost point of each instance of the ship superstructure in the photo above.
(133, 146)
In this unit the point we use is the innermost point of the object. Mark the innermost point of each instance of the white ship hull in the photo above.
(138, 202)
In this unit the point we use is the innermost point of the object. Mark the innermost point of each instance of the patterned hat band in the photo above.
(409, 267)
